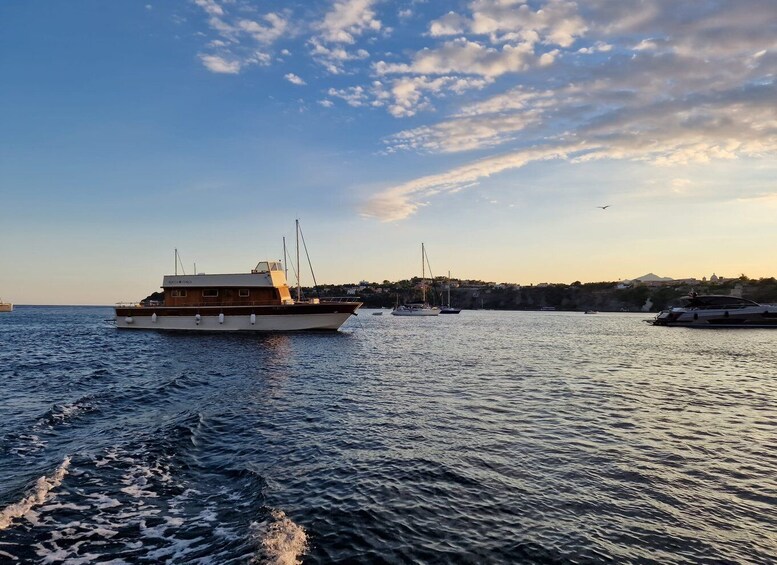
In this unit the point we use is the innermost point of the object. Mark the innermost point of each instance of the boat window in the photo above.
(178, 293)
(210, 292)
(243, 293)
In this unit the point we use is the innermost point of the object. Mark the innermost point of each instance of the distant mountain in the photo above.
(652, 277)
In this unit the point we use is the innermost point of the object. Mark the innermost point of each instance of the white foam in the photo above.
(283, 541)
(37, 496)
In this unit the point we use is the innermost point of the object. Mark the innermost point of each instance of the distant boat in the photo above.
(591, 312)
(418, 308)
(5, 306)
(377, 313)
(715, 311)
(548, 309)
(447, 308)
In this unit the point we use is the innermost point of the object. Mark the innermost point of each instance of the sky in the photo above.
(490, 130)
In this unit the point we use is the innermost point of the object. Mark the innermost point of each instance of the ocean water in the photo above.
(487, 437)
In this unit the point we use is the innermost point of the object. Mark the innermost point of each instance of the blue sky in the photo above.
(489, 129)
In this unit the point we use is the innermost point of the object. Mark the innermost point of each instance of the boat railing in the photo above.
(158, 304)
(339, 299)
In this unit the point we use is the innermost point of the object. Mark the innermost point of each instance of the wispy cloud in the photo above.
(243, 36)
(217, 64)
(656, 82)
(649, 84)
(294, 79)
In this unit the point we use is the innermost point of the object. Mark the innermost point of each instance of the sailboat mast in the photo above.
(176, 261)
(423, 273)
(285, 261)
(449, 289)
(299, 288)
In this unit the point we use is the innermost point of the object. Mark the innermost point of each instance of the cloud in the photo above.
(658, 83)
(347, 20)
(399, 202)
(267, 30)
(211, 7)
(294, 79)
(405, 96)
(333, 58)
(241, 41)
(217, 64)
(465, 57)
(450, 24)
(556, 22)
(665, 133)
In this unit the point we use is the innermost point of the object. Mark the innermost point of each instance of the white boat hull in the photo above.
(235, 323)
(419, 312)
(6, 307)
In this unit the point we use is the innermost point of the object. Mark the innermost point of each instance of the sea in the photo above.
(483, 437)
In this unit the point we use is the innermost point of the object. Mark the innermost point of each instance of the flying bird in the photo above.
(603, 207)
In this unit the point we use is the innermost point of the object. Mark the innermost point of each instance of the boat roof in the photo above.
(266, 274)
(721, 300)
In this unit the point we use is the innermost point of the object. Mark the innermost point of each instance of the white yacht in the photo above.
(256, 301)
(249, 302)
(418, 309)
(716, 311)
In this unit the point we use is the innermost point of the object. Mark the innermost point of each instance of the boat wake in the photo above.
(283, 542)
(37, 496)
(60, 414)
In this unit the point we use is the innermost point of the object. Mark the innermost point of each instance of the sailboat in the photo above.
(419, 308)
(447, 309)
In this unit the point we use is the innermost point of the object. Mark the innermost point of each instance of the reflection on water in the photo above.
(484, 437)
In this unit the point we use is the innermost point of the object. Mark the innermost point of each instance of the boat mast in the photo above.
(449, 289)
(423, 273)
(285, 261)
(176, 261)
(299, 288)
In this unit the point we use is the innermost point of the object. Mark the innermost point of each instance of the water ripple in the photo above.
(488, 437)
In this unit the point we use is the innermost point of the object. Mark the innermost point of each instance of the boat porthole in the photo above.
(696, 316)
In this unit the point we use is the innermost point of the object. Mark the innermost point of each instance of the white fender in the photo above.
(128, 319)
(197, 319)
(221, 318)
(153, 318)
(253, 319)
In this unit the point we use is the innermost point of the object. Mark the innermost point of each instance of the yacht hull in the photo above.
(269, 319)
(419, 312)
(755, 317)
